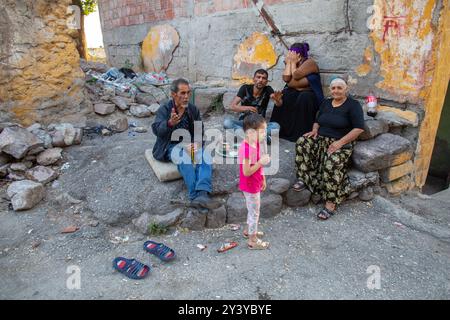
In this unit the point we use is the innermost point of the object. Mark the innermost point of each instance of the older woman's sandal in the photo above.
(325, 214)
(299, 186)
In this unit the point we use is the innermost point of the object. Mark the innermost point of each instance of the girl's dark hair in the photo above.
(253, 121)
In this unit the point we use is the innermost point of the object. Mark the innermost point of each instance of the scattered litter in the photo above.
(398, 224)
(120, 239)
(70, 229)
(234, 227)
(287, 151)
(35, 244)
(218, 297)
(185, 264)
(140, 129)
(227, 246)
(30, 231)
(93, 223)
(65, 166)
(201, 247)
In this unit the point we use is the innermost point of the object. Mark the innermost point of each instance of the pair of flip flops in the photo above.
(135, 269)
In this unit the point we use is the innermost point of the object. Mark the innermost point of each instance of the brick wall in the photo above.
(119, 13)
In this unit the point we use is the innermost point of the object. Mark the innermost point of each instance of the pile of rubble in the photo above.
(31, 157)
(124, 94)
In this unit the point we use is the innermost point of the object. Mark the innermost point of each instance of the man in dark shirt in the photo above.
(254, 98)
(180, 118)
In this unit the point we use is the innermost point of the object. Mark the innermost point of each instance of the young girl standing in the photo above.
(251, 176)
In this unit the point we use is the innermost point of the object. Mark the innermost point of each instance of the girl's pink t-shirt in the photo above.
(253, 183)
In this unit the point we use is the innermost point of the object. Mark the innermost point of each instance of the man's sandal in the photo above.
(259, 234)
(299, 186)
(259, 245)
(160, 250)
(325, 214)
(131, 268)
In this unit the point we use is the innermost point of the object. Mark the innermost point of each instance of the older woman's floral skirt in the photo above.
(324, 174)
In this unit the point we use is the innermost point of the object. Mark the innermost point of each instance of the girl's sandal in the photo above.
(299, 186)
(259, 234)
(325, 214)
(259, 245)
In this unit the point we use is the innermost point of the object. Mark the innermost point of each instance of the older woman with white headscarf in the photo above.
(322, 155)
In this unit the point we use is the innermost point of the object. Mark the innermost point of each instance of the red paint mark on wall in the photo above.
(393, 25)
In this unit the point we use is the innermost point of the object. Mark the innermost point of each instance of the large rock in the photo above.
(367, 194)
(41, 174)
(119, 125)
(225, 178)
(25, 194)
(271, 205)
(141, 111)
(104, 108)
(65, 134)
(401, 185)
(93, 65)
(43, 136)
(154, 108)
(194, 220)
(394, 173)
(145, 220)
(17, 141)
(121, 103)
(279, 185)
(146, 98)
(384, 151)
(49, 156)
(208, 98)
(397, 118)
(21, 166)
(236, 208)
(359, 180)
(297, 198)
(216, 218)
(373, 128)
(4, 158)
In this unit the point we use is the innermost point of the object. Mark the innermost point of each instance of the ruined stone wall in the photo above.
(384, 46)
(40, 75)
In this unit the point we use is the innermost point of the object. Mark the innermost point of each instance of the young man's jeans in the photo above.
(230, 123)
(196, 177)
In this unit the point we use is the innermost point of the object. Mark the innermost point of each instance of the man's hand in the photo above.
(312, 134)
(192, 147)
(174, 118)
(264, 160)
(335, 146)
(251, 109)
(276, 96)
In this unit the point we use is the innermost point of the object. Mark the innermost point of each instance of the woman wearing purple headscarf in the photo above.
(302, 94)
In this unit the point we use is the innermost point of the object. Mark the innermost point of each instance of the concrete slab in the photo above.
(165, 171)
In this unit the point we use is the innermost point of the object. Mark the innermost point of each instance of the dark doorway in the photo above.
(439, 174)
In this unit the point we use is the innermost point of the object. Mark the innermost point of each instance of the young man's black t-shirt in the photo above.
(247, 99)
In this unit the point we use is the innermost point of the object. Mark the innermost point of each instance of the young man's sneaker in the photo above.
(203, 200)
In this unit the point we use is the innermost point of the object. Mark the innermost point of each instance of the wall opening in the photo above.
(94, 37)
(439, 173)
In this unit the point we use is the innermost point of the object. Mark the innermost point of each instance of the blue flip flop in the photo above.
(131, 268)
(160, 250)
